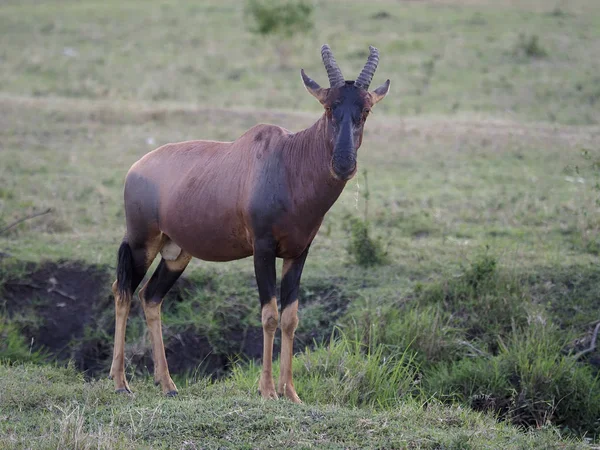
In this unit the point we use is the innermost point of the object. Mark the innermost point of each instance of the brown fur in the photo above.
(204, 191)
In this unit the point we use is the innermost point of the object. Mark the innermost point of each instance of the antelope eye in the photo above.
(366, 111)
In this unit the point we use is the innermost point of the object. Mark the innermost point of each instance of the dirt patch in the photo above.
(55, 301)
(66, 309)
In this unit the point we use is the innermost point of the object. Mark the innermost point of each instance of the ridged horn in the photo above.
(365, 77)
(336, 79)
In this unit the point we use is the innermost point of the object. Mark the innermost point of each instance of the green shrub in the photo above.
(364, 249)
(484, 302)
(283, 18)
(279, 21)
(529, 46)
(530, 381)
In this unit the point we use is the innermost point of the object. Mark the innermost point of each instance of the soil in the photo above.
(66, 310)
(55, 301)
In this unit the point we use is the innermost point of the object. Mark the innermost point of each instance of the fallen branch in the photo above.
(592, 346)
(473, 348)
(52, 289)
(23, 219)
(62, 294)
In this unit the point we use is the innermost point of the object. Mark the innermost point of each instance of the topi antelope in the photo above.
(264, 194)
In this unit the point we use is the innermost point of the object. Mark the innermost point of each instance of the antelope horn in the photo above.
(336, 79)
(365, 77)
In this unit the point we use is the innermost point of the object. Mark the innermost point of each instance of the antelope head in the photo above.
(347, 105)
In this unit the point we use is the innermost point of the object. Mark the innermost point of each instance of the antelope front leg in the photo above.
(290, 283)
(264, 267)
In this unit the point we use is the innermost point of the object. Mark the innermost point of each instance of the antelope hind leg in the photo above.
(151, 296)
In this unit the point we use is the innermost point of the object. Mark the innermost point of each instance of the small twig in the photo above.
(473, 348)
(35, 286)
(64, 294)
(592, 346)
(23, 219)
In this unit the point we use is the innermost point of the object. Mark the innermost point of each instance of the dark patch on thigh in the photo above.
(161, 281)
(141, 208)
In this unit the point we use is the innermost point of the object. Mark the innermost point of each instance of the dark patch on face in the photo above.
(258, 136)
(347, 113)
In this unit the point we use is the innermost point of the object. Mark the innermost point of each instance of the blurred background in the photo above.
(468, 238)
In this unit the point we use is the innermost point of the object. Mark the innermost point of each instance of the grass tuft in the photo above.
(530, 381)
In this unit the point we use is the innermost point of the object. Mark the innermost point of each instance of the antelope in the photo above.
(263, 195)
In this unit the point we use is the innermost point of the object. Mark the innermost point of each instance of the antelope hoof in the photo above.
(289, 393)
(292, 397)
(121, 386)
(268, 394)
(168, 387)
(266, 387)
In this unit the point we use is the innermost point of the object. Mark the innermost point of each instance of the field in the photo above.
(478, 177)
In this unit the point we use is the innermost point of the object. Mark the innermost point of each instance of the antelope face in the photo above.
(346, 113)
(347, 105)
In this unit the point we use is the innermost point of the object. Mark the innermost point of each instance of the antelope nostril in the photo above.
(344, 168)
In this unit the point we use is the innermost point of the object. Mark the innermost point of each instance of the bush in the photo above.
(280, 20)
(529, 47)
(283, 18)
(484, 302)
(530, 382)
(364, 249)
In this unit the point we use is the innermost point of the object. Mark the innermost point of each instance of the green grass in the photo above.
(481, 193)
(47, 407)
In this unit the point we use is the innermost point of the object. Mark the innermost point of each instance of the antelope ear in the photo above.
(378, 94)
(313, 88)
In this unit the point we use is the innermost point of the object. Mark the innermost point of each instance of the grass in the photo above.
(47, 407)
(481, 193)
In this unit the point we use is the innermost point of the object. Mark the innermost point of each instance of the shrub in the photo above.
(484, 302)
(529, 47)
(530, 381)
(283, 18)
(364, 249)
